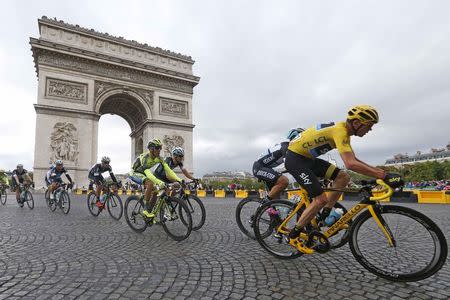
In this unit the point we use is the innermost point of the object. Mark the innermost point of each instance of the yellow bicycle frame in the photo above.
(342, 222)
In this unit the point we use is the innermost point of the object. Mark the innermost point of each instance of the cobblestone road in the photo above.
(55, 256)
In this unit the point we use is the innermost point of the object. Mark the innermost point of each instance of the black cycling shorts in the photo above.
(98, 180)
(268, 175)
(307, 170)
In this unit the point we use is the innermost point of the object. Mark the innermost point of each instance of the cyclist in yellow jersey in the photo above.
(142, 173)
(303, 164)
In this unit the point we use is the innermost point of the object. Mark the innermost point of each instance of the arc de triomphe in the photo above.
(83, 74)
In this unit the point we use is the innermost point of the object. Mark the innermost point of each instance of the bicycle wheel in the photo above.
(265, 229)
(92, 204)
(133, 214)
(245, 215)
(115, 206)
(29, 199)
(51, 203)
(47, 197)
(3, 196)
(420, 248)
(175, 218)
(197, 210)
(64, 202)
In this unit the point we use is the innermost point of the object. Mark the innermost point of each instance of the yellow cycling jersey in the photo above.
(320, 139)
(145, 164)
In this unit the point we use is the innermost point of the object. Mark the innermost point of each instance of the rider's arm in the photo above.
(69, 178)
(186, 173)
(113, 177)
(152, 177)
(16, 178)
(170, 173)
(354, 164)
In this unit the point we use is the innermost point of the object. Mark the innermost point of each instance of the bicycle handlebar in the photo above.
(387, 190)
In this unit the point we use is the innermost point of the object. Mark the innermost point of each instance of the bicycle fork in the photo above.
(375, 211)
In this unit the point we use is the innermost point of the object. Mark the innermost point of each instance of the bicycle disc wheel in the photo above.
(265, 229)
(420, 248)
(197, 210)
(245, 215)
(3, 196)
(133, 214)
(64, 202)
(92, 204)
(176, 219)
(114, 206)
(29, 199)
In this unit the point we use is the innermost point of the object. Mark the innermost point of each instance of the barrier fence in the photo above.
(413, 196)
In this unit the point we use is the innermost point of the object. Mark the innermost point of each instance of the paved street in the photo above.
(51, 255)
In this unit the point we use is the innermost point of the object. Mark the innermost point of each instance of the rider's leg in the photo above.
(341, 181)
(17, 183)
(312, 210)
(305, 171)
(98, 190)
(52, 188)
(149, 196)
(279, 187)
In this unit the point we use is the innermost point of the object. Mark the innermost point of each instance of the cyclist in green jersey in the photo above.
(143, 170)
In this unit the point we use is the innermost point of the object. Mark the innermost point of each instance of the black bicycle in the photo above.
(25, 196)
(61, 199)
(195, 205)
(3, 193)
(111, 200)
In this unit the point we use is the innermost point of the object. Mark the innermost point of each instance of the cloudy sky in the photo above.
(265, 66)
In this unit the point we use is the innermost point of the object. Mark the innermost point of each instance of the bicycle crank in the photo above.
(318, 242)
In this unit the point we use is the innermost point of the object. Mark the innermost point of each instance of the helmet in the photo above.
(58, 162)
(178, 151)
(364, 113)
(106, 160)
(19, 166)
(155, 143)
(293, 133)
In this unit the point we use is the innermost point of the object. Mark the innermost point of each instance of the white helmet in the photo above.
(178, 151)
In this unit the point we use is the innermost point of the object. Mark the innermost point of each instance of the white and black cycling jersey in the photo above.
(273, 156)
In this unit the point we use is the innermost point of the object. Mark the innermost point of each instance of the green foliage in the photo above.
(247, 183)
(431, 170)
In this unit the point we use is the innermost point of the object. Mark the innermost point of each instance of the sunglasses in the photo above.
(155, 148)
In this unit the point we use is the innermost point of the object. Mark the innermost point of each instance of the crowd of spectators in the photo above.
(438, 185)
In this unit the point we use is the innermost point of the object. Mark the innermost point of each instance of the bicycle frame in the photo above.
(367, 203)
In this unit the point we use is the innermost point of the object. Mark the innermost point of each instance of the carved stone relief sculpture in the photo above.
(72, 91)
(64, 143)
(172, 141)
(173, 107)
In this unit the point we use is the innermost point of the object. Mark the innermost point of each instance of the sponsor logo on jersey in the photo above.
(265, 174)
(305, 178)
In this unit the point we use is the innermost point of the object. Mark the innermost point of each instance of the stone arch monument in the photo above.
(83, 74)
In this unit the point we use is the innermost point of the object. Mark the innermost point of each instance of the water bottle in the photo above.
(284, 211)
(335, 215)
(22, 195)
(102, 198)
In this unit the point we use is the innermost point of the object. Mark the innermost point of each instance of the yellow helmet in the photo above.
(364, 113)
